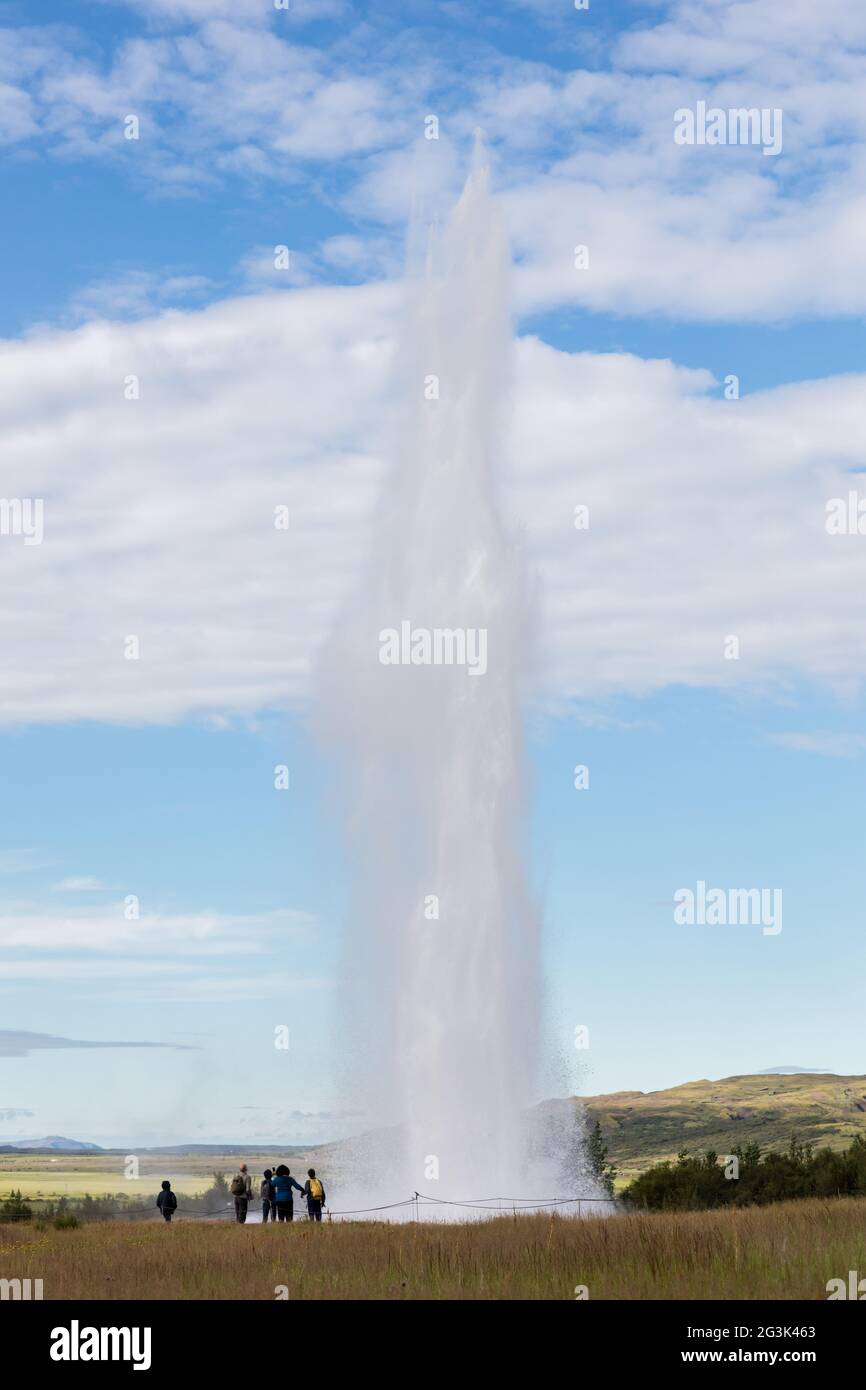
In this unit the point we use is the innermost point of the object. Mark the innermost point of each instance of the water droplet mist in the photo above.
(442, 973)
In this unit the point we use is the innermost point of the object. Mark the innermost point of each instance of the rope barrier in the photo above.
(360, 1211)
(525, 1201)
(514, 1204)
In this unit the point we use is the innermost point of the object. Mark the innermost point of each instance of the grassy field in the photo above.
(785, 1251)
(48, 1183)
(102, 1175)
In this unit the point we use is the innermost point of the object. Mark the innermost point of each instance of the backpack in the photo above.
(317, 1191)
(238, 1187)
(170, 1201)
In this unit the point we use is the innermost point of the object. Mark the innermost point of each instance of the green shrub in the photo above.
(698, 1181)
(597, 1152)
(15, 1208)
(66, 1223)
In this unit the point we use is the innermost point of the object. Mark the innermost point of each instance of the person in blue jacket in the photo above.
(283, 1189)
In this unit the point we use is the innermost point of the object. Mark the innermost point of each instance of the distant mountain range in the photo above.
(794, 1071)
(54, 1143)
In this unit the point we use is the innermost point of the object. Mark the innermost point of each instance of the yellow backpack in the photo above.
(317, 1191)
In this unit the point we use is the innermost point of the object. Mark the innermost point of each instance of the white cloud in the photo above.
(250, 11)
(735, 251)
(165, 981)
(707, 520)
(827, 744)
(707, 515)
(195, 935)
(17, 120)
(586, 155)
(137, 294)
(227, 97)
(201, 956)
(259, 268)
(166, 504)
(352, 258)
(80, 884)
(713, 36)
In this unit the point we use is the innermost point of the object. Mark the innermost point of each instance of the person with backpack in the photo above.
(269, 1197)
(166, 1201)
(283, 1185)
(315, 1195)
(242, 1190)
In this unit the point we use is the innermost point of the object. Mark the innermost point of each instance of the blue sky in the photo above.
(259, 387)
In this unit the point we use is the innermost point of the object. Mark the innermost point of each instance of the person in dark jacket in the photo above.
(315, 1194)
(284, 1185)
(269, 1197)
(166, 1201)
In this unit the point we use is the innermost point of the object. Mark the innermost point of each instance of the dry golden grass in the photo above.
(784, 1251)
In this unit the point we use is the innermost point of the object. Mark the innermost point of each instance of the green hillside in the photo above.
(642, 1128)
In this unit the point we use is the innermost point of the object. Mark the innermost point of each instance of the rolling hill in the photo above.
(642, 1128)
(52, 1143)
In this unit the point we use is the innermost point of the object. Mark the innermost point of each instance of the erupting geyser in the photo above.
(421, 687)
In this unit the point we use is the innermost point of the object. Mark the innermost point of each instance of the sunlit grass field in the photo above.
(51, 1184)
(787, 1251)
(77, 1175)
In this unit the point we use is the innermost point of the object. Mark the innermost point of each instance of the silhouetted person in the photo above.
(242, 1190)
(284, 1184)
(269, 1197)
(315, 1195)
(166, 1201)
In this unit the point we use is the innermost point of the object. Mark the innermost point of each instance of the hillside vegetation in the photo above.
(642, 1129)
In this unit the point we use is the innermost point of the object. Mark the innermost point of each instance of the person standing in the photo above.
(166, 1201)
(284, 1184)
(315, 1195)
(269, 1198)
(242, 1190)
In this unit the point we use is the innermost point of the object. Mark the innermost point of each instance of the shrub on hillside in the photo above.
(701, 1181)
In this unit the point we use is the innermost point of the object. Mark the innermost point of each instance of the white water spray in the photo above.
(443, 971)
